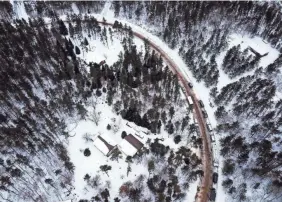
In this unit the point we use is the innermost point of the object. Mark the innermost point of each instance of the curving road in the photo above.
(206, 181)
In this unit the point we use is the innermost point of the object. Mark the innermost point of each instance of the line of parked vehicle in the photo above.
(212, 194)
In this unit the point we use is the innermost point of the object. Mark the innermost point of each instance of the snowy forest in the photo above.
(69, 76)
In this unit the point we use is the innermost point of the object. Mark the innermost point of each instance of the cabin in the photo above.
(105, 145)
(130, 145)
(102, 62)
(69, 200)
(257, 53)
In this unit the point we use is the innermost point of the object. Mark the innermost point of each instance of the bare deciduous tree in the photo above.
(95, 115)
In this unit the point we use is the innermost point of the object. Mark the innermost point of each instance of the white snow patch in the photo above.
(75, 9)
(106, 10)
(19, 10)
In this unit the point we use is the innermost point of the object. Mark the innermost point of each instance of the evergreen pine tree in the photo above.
(77, 50)
(63, 29)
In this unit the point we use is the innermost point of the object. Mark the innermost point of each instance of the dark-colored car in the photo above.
(212, 194)
(215, 178)
(205, 114)
(190, 85)
(209, 127)
(201, 103)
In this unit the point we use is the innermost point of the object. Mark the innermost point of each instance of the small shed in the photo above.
(105, 145)
(130, 145)
(102, 62)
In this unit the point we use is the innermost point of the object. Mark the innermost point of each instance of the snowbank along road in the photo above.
(206, 182)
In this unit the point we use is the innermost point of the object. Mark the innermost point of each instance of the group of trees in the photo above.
(37, 95)
(40, 89)
(253, 125)
(263, 19)
(236, 62)
(49, 9)
(170, 173)
(139, 87)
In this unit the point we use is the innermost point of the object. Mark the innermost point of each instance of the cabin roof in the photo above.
(104, 144)
(130, 145)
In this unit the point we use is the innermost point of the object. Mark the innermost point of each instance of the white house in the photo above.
(105, 144)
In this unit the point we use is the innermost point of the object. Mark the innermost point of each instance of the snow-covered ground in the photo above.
(98, 52)
(257, 44)
(90, 165)
(19, 9)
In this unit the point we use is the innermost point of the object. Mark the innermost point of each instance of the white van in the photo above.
(212, 137)
(209, 127)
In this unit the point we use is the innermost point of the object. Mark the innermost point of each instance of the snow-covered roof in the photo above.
(104, 144)
(134, 141)
(101, 146)
(127, 148)
(130, 145)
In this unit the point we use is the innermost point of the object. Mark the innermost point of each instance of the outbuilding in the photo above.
(130, 145)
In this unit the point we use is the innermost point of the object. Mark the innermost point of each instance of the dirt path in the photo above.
(206, 181)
